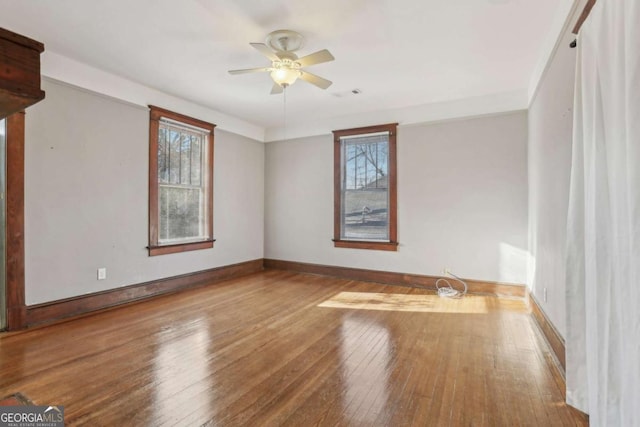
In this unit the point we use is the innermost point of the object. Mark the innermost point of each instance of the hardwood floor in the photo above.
(282, 348)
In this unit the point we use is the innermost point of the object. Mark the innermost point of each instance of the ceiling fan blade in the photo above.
(315, 58)
(250, 70)
(265, 50)
(315, 80)
(276, 89)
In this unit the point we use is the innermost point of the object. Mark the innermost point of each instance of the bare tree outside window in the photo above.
(365, 200)
(365, 184)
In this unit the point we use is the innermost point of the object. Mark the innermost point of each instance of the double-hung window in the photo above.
(365, 188)
(180, 183)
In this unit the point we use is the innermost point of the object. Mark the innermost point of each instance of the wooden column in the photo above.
(19, 72)
(14, 243)
(19, 88)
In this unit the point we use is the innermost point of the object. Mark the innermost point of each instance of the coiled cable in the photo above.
(446, 290)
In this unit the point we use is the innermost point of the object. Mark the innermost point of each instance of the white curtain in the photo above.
(603, 236)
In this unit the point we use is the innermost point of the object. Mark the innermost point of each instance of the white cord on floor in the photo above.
(447, 291)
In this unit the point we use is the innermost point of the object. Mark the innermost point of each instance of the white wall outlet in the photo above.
(102, 273)
(544, 294)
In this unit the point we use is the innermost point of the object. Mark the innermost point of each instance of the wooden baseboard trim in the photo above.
(554, 339)
(391, 278)
(556, 343)
(49, 312)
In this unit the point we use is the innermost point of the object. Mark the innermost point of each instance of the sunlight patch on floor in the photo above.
(405, 302)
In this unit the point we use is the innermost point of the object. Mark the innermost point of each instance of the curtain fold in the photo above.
(603, 227)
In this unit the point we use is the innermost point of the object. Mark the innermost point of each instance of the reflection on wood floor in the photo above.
(281, 348)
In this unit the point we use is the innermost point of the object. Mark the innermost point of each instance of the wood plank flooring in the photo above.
(281, 348)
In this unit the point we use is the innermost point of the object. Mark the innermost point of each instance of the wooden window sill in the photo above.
(359, 244)
(180, 247)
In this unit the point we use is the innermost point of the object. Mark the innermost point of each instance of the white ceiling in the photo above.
(400, 53)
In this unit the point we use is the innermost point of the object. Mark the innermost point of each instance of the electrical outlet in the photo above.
(102, 273)
(544, 294)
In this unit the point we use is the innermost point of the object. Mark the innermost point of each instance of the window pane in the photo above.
(365, 197)
(180, 213)
(163, 166)
(180, 156)
(174, 156)
(185, 159)
(196, 160)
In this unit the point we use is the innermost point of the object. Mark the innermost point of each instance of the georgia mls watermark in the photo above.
(31, 416)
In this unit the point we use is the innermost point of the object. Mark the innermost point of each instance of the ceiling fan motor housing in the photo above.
(285, 40)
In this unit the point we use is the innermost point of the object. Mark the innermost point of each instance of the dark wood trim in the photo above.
(181, 247)
(553, 337)
(355, 244)
(155, 114)
(21, 40)
(209, 189)
(14, 232)
(153, 180)
(19, 72)
(337, 187)
(583, 16)
(57, 310)
(392, 184)
(393, 278)
(390, 127)
(556, 344)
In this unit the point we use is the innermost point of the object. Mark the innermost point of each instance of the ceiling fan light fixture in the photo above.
(286, 66)
(285, 76)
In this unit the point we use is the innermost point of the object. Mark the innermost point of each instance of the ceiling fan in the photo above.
(286, 67)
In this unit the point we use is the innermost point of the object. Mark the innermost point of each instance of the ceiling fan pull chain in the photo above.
(284, 97)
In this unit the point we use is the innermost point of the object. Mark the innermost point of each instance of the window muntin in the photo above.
(180, 183)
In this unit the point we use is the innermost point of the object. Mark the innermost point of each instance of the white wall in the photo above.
(549, 165)
(86, 198)
(462, 201)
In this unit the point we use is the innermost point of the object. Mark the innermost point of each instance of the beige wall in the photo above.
(86, 198)
(462, 201)
(549, 166)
